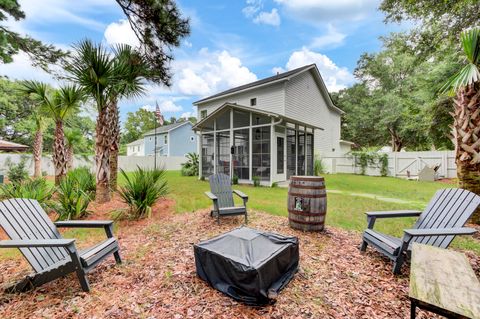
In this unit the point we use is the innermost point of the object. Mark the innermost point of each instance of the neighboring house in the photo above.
(6, 146)
(136, 148)
(270, 128)
(175, 139)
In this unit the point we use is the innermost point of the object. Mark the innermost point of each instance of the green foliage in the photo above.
(17, 172)
(383, 162)
(142, 188)
(275, 185)
(84, 179)
(137, 124)
(318, 166)
(256, 181)
(235, 180)
(37, 189)
(190, 167)
(72, 200)
(371, 158)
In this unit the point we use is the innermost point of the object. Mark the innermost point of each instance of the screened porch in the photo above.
(246, 143)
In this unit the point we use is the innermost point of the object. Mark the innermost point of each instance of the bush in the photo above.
(383, 161)
(17, 172)
(72, 199)
(256, 181)
(142, 189)
(235, 180)
(85, 180)
(370, 157)
(190, 168)
(318, 166)
(37, 189)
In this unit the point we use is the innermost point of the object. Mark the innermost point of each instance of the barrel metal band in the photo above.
(307, 195)
(306, 223)
(306, 187)
(299, 212)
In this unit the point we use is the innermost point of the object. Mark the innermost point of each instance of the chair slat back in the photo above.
(449, 208)
(221, 186)
(25, 219)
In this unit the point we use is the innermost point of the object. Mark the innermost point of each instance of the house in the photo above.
(175, 139)
(271, 128)
(6, 146)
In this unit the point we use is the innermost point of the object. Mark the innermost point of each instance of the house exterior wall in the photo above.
(137, 149)
(178, 142)
(182, 141)
(270, 98)
(304, 102)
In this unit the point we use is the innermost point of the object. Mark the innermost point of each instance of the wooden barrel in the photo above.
(307, 203)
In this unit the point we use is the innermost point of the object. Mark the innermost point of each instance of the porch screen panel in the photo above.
(207, 155)
(223, 152)
(241, 156)
(309, 154)
(301, 153)
(261, 152)
(291, 153)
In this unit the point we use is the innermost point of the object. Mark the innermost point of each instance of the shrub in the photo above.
(370, 157)
(85, 180)
(142, 189)
(383, 161)
(235, 180)
(37, 189)
(190, 167)
(318, 166)
(256, 181)
(72, 200)
(274, 184)
(17, 172)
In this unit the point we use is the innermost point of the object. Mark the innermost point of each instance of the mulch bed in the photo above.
(158, 279)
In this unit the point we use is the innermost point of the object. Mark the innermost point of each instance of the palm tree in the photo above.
(105, 78)
(72, 137)
(59, 104)
(466, 126)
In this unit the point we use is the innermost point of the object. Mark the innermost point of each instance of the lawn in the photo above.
(345, 208)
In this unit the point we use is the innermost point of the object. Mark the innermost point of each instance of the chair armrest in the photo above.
(84, 223)
(440, 231)
(211, 196)
(394, 213)
(36, 243)
(240, 194)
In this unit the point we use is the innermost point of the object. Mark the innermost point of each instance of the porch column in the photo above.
(231, 143)
(273, 155)
(199, 149)
(296, 149)
(250, 150)
(215, 146)
(305, 149)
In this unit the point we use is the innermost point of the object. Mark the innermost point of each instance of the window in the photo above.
(261, 152)
(223, 153)
(203, 114)
(207, 155)
(192, 138)
(223, 121)
(240, 157)
(253, 102)
(241, 118)
(165, 139)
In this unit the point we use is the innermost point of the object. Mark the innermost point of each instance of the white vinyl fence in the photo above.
(127, 163)
(399, 163)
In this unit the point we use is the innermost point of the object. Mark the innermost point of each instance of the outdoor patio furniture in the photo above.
(437, 225)
(248, 265)
(51, 256)
(442, 281)
(222, 196)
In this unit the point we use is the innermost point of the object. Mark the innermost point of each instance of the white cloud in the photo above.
(335, 77)
(121, 32)
(21, 69)
(166, 106)
(253, 6)
(210, 72)
(321, 11)
(271, 18)
(333, 38)
(186, 115)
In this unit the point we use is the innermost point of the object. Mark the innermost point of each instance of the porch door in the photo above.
(280, 157)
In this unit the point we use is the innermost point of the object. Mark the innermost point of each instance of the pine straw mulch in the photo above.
(158, 279)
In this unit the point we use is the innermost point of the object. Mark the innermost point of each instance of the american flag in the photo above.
(159, 115)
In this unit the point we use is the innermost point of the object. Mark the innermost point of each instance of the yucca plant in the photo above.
(72, 201)
(84, 178)
(37, 189)
(142, 189)
(190, 167)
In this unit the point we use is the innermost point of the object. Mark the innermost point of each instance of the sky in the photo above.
(231, 42)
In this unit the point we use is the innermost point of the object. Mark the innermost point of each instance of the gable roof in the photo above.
(275, 79)
(10, 146)
(167, 128)
(137, 142)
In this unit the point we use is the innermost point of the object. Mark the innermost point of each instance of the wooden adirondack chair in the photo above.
(438, 224)
(222, 196)
(51, 256)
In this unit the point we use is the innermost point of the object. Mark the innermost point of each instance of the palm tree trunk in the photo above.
(113, 113)
(69, 157)
(102, 157)
(37, 153)
(466, 131)
(59, 153)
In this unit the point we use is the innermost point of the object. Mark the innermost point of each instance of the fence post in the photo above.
(394, 164)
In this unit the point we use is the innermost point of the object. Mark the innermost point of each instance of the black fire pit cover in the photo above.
(248, 265)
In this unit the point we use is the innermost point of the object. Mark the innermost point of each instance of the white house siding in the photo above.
(269, 98)
(136, 149)
(305, 102)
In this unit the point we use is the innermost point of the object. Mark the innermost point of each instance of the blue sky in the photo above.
(231, 43)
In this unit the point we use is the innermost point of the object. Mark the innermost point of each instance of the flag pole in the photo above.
(155, 147)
